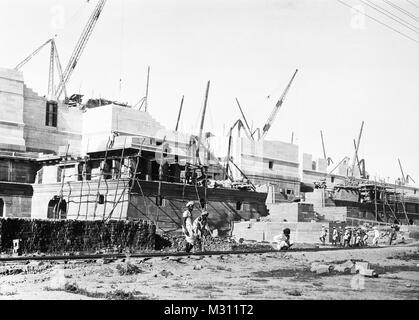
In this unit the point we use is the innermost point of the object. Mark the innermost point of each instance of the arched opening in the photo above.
(57, 209)
(1, 208)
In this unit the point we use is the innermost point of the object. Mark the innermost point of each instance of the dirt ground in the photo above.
(278, 275)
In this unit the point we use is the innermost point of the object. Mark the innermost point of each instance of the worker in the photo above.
(347, 237)
(323, 234)
(187, 227)
(335, 236)
(284, 242)
(357, 238)
(365, 238)
(340, 236)
(376, 236)
(352, 238)
(201, 229)
(393, 233)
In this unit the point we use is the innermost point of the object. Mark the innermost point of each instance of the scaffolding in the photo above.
(386, 198)
(115, 185)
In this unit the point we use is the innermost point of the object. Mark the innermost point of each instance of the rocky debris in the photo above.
(106, 260)
(363, 268)
(361, 265)
(128, 269)
(294, 292)
(30, 267)
(197, 267)
(368, 273)
(223, 268)
(196, 257)
(166, 273)
(58, 280)
(346, 267)
(177, 259)
(321, 268)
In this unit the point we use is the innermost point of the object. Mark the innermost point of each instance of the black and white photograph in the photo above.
(209, 154)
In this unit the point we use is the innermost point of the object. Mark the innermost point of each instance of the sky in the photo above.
(351, 67)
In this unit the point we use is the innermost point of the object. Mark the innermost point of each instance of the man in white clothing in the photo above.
(187, 227)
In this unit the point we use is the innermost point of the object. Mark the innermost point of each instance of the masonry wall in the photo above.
(16, 199)
(42, 138)
(11, 107)
(126, 121)
(333, 213)
(17, 170)
(81, 197)
(292, 212)
(269, 162)
(168, 216)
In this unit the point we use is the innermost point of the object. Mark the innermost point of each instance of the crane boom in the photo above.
(356, 149)
(180, 112)
(59, 68)
(81, 44)
(201, 127)
(238, 124)
(278, 105)
(244, 118)
(21, 64)
(401, 169)
(324, 150)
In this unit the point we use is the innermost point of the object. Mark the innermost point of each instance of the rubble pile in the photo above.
(58, 236)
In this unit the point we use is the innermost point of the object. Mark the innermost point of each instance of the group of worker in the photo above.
(194, 231)
(352, 237)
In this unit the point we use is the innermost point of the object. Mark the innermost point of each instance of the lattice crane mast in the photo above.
(278, 105)
(81, 44)
(54, 58)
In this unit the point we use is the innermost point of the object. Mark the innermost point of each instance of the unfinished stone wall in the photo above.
(16, 199)
(292, 212)
(80, 198)
(58, 236)
(42, 138)
(11, 110)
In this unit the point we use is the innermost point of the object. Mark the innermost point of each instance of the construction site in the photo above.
(95, 193)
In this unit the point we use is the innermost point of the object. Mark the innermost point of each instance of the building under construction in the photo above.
(58, 162)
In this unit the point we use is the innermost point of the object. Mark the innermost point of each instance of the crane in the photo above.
(24, 61)
(180, 112)
(201, 127)
(144, 100)
(328, 159)
(238, 124)
(245, 120)
(54, 57)
(81, 44)
(278, 105)
(407, 178)
(356, 149)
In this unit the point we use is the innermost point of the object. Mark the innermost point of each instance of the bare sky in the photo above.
(350, 68)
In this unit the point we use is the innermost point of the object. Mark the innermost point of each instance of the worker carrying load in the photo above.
(201, 230)
(323, 234)
(335, 236)
(283, 240)
(187, 227)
